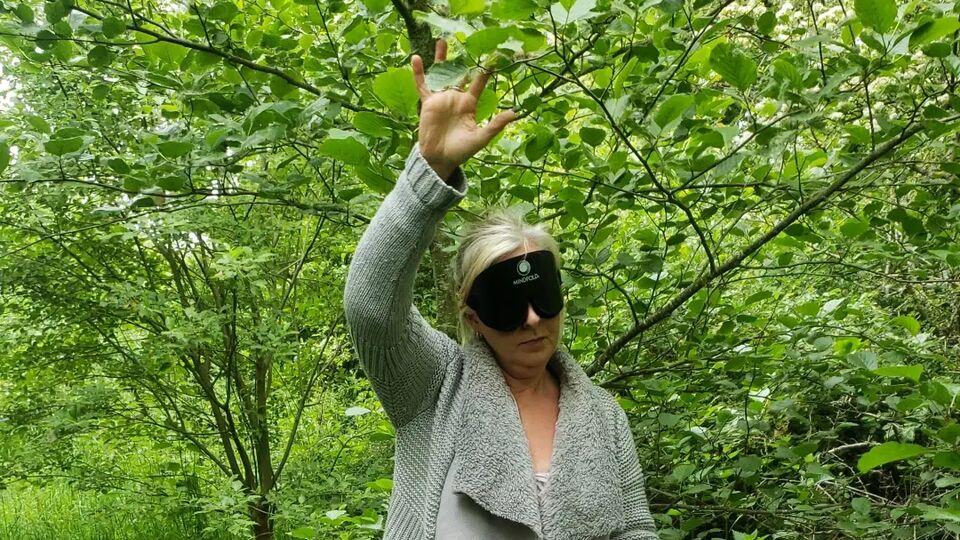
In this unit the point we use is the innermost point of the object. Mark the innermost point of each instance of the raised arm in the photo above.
(401, 354)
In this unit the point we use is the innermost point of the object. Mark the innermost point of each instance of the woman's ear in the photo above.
(472, 319)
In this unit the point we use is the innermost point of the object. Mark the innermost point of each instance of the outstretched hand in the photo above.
(449, 134)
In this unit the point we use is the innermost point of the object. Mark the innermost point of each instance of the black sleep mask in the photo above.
(501, 293)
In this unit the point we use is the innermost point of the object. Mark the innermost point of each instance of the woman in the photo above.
(504, 437)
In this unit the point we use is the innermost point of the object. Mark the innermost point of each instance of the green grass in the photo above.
(59, 511)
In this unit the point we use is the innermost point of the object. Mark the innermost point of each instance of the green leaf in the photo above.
(112, 27)
(577, 210)
(100, 56)
(224, 11)
(303, 532)
(66, 133)
(172, 183)
(38, 123)
(133, 184)
(767, 22)
(950, 433)
(909, 323)
(861, 505)
(947, 460)
(356, 411)
(672, 108)
(877, 14)
(911, 225)
(46, 39)
(853, 228)
(174, 149)
(733, 66)
(538, 145)
(443, 75)
(280, 87)
(937, 392)
(531, 39)
(54, 11)
(100, 91)
(467, 7)
(486, 105)
(486, 40)
(444, 24)
(933, 30)
(592, 136)
(375, 6)
(4, 156)
(59, 147)
(373, 178)
(514, 10)
(787, 73)
(347, 150)
(118, 165)
(143, 202)
(932, 513)
(63, 50)
(888, 452)
(912, 372)
(581, 9)
(335, 514)
(24, 13)
(381, 484)
(372, 124)
(166, 53)
(397, 90)
(937, 50)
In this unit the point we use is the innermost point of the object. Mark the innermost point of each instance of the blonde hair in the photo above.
(501, 232)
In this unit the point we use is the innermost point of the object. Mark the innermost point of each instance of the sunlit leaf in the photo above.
(735, 67)
(907, 322)
(933, 30)
(877, 14)
(356, 411)
(912, 372)
(112, 27)
(888, 452)
(175, 149)
(347, 150)
(467, 7)
(397, 90)
(60, 147)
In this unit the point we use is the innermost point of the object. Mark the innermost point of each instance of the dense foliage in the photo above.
(757, 204)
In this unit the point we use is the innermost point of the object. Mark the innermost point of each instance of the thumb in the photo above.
(496, 125)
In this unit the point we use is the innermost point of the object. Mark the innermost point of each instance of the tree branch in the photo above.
(234, 59)
(814, 201)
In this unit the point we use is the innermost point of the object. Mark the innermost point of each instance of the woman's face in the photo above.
(525, 351)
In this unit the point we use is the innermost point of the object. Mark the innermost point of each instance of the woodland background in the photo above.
(757, 203)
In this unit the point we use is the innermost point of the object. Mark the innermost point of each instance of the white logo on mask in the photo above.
(523, 267)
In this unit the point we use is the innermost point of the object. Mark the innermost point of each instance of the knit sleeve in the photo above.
(402, 355)
(639, 522)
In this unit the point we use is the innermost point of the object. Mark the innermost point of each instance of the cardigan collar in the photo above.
(584, 495)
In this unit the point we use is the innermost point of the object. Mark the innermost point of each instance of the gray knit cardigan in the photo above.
(447, 400)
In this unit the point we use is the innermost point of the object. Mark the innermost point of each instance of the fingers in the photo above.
(417, 64)
(440, 53)
(496, 125)
(479, 83)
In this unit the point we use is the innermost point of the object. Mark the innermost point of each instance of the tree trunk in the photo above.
(261, 513)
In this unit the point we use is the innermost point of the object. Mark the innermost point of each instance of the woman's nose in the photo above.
(532, 318)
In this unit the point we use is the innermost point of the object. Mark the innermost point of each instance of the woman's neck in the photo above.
(541, 383)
